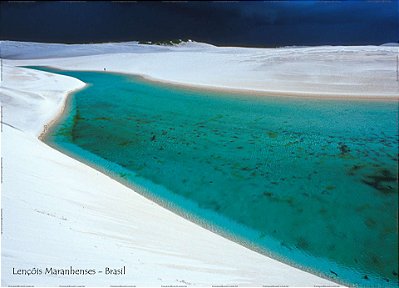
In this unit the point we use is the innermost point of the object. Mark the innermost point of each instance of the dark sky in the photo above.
(266, 24)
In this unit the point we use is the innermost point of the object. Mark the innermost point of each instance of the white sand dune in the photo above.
(332, 71)
(58, 212)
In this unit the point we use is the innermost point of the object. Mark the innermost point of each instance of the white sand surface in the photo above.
(332, 71)
(58, 212)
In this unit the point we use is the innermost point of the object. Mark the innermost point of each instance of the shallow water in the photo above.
(310, 182)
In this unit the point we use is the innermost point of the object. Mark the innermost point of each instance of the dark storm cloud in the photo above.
(220, 23)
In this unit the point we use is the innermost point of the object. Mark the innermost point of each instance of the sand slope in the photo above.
(339, 71)
(59, 212)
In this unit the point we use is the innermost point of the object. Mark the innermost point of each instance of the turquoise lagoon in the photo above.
(310, 182)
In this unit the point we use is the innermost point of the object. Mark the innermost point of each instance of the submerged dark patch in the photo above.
(254, 168)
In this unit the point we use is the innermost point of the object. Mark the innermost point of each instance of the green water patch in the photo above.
(309, 182)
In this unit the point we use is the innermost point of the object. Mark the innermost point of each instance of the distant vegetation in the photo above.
(172, 42)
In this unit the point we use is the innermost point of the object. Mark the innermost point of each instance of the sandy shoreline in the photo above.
(347, 72)
(170, 206)
(272, 94)
(60, 114)
(54, 190)
(253, 93)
